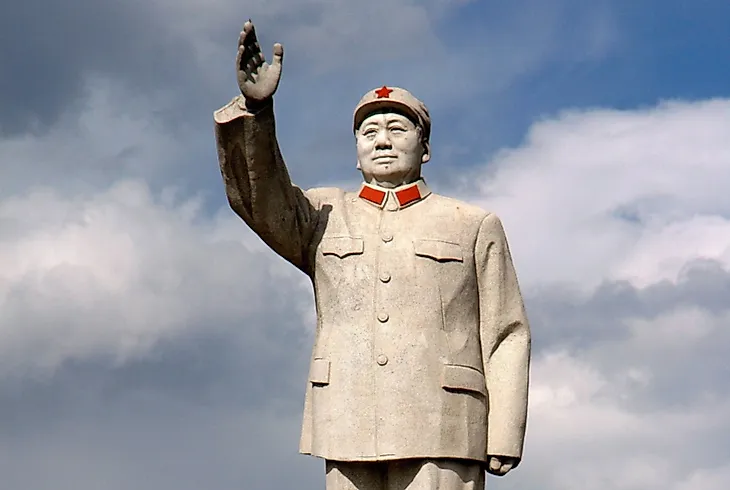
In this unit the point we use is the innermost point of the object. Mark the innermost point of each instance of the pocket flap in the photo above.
(439, 250)
(319, 373)
(341, 246)
(463, 378)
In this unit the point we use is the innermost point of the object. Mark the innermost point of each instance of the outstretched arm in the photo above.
(256, 179)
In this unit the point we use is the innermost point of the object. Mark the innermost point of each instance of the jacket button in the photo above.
(383, 317)
(387, 237)
(384, 277)
(382, 359)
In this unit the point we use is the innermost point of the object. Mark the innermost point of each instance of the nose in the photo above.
(382, 140)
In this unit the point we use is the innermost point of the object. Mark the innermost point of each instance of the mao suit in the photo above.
(422, 346)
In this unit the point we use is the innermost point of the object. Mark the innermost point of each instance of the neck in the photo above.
(393, 184)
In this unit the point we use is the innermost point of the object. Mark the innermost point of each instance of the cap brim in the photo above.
(368, 108)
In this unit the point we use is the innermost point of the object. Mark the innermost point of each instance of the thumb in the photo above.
(278, 54)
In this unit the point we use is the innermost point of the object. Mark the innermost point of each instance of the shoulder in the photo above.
(461, 209)
(330, 195)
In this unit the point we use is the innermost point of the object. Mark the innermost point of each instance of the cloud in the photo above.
(618, 224)
(51, 48)
(607, 194)
(114, 273)
(180, 312)
(172, 63)
(147, 339)
(147, 343)
(171, 48)
(93, 427)
(617, 401)
(94, 147)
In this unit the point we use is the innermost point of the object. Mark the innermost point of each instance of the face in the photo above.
(389, 149)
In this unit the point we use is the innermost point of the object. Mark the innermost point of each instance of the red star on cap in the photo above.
(384, 92)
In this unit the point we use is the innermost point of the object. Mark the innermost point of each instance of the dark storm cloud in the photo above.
(580, 323)
(49, 47)
(220, 408)
(675, 331)
(205, 370)
(215, 403)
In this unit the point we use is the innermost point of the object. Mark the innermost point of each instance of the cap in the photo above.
(393, 97)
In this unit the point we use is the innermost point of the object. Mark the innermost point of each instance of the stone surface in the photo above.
(422, 347)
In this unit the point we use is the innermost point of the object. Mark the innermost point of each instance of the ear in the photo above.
(357, 132)
(426, 152)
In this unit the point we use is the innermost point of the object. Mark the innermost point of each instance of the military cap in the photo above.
(397, 98)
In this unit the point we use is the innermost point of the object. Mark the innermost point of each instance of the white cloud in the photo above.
(113, 273)
(598, 195)
(583, 432)
(591, 195)
(606, 194)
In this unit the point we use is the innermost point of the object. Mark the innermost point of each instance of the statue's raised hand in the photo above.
(257, 79)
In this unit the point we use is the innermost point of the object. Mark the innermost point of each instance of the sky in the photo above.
(149, 340)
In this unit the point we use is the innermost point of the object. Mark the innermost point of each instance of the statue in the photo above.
(419, 371)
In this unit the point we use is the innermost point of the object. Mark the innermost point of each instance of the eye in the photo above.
(370, 132)
(397, 129)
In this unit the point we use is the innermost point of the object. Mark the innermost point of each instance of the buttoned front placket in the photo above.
(385, 315)
(392, 249)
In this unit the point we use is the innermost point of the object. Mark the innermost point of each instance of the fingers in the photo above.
(506, 467)
(249, 31)
(500, 467)
(249, 60)
(278, 54)
(247, 38)
(256, 79)
(249, 57)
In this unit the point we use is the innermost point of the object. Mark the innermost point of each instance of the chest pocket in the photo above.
(439, 250)
(341, 246)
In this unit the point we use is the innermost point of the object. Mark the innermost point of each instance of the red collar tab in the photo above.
(402, 196)
(375, 196)
(408, 195)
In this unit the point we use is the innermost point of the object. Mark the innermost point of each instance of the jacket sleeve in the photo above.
(257, 182)
(505, 341)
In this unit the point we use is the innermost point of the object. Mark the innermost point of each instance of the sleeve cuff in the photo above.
(236, 108)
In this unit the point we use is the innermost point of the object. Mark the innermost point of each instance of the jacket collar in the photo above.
(402, 196)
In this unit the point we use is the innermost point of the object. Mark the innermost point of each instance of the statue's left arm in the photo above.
(505, 342)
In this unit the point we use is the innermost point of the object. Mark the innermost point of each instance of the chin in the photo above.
(387, 176)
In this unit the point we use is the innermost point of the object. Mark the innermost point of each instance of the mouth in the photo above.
(384, 157)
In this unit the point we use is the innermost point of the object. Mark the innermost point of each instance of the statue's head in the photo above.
(392, 130)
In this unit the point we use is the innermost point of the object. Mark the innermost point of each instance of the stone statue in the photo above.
(420, 366)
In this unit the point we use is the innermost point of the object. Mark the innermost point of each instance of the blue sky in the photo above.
(149, 340)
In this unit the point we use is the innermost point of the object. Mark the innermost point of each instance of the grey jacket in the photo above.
(422, 347)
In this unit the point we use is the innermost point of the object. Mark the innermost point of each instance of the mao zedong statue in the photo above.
(419, 372)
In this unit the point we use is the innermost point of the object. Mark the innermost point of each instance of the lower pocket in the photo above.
(463, 378)
(319, 372)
